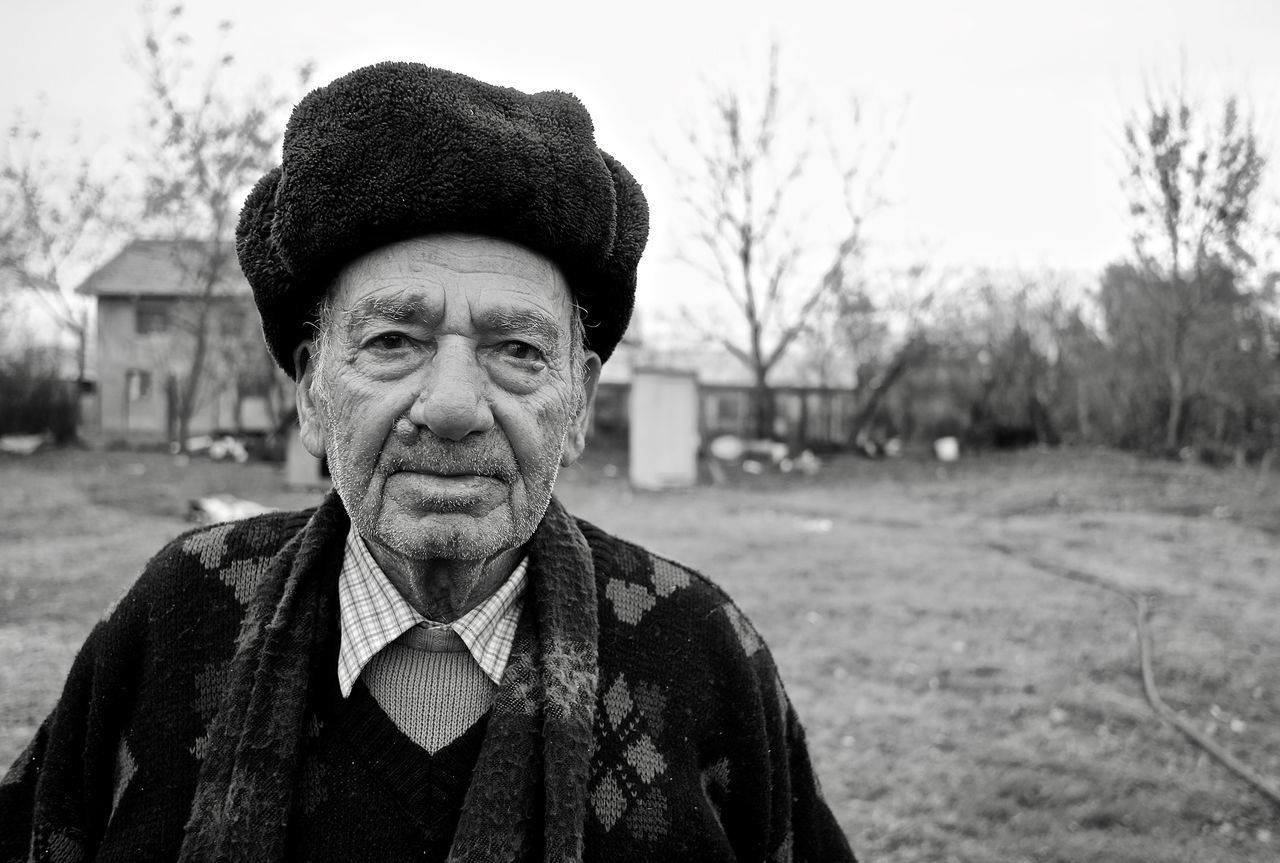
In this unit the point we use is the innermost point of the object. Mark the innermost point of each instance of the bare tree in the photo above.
(54, 225)
(208, 143)
(887, 322)
(744, 191)
(1191, 183)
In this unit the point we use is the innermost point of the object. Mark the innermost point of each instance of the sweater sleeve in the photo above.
(111, 771)
(768, 777)
(17, 798)
(816, 834)
(56, 797)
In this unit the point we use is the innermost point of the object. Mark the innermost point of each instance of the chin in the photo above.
(449, 536)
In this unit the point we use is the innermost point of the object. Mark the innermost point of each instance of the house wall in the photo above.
(131, 385)
(139, 372)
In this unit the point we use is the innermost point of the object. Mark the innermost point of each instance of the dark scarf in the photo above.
(244, 795)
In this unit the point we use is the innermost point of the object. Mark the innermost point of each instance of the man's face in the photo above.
(445, 394)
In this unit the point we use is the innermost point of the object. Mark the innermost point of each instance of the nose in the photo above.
(454, 399)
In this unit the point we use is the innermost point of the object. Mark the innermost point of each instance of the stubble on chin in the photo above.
(445, 536)
(441, 534)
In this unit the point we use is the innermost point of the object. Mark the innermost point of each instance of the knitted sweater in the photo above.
(368, 793)
(694, 750)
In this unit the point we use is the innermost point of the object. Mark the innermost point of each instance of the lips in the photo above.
(451, 474)
(493, 460)
(450, 479)
(436, 492)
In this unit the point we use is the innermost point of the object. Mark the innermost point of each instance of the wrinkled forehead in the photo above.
(463, 253)
(497, 268)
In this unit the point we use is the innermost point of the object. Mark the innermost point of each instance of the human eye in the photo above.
(389, 353)
(521, 352)
(387, 343)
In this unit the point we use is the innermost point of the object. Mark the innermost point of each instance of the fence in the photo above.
(805, 417)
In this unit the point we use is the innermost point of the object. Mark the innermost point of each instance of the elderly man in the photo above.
(438, 662)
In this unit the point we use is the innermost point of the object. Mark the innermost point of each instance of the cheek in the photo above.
(360, 420)
(536, 429)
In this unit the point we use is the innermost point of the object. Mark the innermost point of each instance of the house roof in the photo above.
(163, 268)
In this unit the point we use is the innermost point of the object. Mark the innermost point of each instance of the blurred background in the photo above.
(976, 303)
(1001, 222)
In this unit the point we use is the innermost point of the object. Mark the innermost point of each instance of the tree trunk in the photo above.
(1083, 424)
(908, 355)
(800, 435)
(762, 408)
(1177, 400)
(191, 386)
(82, 352)
(171, 408)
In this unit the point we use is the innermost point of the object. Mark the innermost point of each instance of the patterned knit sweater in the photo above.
(696, 752)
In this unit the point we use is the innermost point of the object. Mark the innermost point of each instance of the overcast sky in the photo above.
(1008, 153)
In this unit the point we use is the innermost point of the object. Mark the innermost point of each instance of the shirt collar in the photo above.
(372, 614)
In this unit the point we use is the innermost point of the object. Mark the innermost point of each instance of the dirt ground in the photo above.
(961, 703)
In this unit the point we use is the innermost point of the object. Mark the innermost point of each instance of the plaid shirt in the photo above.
(372, 614)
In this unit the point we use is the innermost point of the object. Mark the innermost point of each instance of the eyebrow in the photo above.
(529, 323)
(394, 309)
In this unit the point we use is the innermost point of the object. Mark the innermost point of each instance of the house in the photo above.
(152, 300)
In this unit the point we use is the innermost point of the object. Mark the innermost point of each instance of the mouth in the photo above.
(435, 491)
(450, 464)
(446, 474)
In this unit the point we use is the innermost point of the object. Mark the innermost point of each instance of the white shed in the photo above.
(663, 428)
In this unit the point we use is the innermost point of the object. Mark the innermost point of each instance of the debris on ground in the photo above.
(808, 463)
(727, 447)
(23, 444)
(756, 457)
(218, 447)
(946, 449)
(223, 507)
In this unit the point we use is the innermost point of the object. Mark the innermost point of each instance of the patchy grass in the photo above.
(961, 705)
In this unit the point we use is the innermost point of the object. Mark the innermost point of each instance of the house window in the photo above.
(137, 384)
(150, 317)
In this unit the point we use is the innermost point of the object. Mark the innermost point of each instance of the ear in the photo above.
(576, 441)
(309, 419)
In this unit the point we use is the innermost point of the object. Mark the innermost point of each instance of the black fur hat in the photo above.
(397, 150)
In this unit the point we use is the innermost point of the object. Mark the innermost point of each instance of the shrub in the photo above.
(34, 399)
